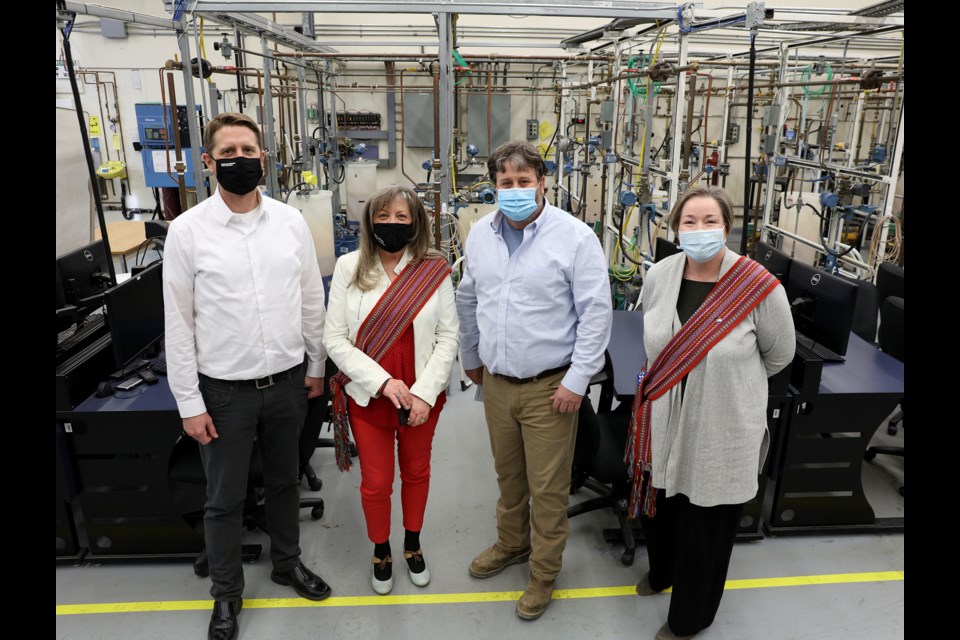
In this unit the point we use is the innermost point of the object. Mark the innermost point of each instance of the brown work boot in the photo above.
(535, 599)
(495, 559)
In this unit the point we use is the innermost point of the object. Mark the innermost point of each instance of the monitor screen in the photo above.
(823, 305)
(83, 273)
(664, 249)
(776, 261)
(135, 313)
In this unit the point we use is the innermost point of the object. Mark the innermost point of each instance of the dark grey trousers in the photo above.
(240, 413)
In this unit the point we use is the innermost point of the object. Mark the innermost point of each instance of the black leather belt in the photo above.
(539, 376)
(260, 383)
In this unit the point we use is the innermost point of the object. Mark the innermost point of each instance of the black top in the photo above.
(692, 295)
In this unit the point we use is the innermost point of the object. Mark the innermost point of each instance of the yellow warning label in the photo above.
(546, 130)
(94, 125)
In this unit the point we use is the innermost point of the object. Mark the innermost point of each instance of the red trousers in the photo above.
(375, 445)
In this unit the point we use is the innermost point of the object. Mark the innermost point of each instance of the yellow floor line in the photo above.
(460, 598)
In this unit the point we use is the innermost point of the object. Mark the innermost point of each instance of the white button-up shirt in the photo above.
(241, 301)
(545, 306)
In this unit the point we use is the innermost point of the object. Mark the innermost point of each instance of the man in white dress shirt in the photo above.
(243, 303)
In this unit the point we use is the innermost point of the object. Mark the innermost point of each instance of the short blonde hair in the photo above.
(719, 195)
(228, 119)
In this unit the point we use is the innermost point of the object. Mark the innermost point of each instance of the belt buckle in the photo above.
(269, 380)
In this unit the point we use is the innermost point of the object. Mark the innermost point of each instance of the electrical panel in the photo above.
(357, 120)
(158, 149)
(533, 129)
(733, 133)
(606, 111)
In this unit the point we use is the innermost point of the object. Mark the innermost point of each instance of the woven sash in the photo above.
(743, 287)
(381, 329)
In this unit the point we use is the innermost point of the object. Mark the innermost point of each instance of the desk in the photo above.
(124, 237)
(818, 479)
(121, 451)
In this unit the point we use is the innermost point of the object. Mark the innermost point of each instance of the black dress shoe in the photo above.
(306, 583)
(223, 622)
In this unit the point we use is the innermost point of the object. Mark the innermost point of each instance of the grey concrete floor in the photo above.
(460, 523)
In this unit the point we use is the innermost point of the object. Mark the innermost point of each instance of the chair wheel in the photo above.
(869, 455)
(317, 512)
(892, 429)
(353, 450)
(315, 484)
(627, 558)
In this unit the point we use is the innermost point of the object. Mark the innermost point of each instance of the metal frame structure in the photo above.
(632, 23)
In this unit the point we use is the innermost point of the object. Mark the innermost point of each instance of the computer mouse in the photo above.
(104, 389)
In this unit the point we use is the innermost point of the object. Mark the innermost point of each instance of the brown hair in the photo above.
(520, 155)
(365, 278)
(226, 120)
(719, 195)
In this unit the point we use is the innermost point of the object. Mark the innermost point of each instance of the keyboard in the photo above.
(818, 349)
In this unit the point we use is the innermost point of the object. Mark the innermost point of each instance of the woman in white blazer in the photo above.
(396, 373)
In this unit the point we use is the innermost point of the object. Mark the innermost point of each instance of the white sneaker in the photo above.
(383, 567)
(419, 573)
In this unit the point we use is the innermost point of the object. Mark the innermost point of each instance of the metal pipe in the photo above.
(267, 125)
(403, 133)
(437, 201)
(489, 115)
(816, 83)
(420, 56)
(189, 99)
(748, 169)
(632, 73)
(180, 166)
(688, 136)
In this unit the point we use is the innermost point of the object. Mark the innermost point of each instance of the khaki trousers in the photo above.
(533, 452)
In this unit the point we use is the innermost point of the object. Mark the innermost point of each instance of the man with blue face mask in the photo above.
(535, 315)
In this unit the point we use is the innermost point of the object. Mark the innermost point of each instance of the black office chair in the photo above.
(865, 310)
(319, 412)
(890, 283)
(598, 465)
(187, 482)
(891, 342)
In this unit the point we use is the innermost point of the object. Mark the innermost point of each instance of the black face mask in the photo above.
(392, 237)
(239, 176)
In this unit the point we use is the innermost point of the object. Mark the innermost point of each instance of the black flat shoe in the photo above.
(223, 623)
(306, 583)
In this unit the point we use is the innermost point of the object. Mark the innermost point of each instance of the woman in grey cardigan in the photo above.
(716, 325)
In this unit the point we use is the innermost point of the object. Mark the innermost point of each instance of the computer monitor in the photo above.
(84, 273)
(135, 313)
(822, 304)
(664, 249)
(776, 261)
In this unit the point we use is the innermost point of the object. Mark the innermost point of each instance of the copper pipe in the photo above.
(817, 83)
(181, 165)
(420, 56)
(626, 75)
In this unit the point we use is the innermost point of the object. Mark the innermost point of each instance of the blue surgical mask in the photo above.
(517, 204)
(702, 245)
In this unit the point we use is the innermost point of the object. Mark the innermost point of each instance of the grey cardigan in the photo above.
(712, 446)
